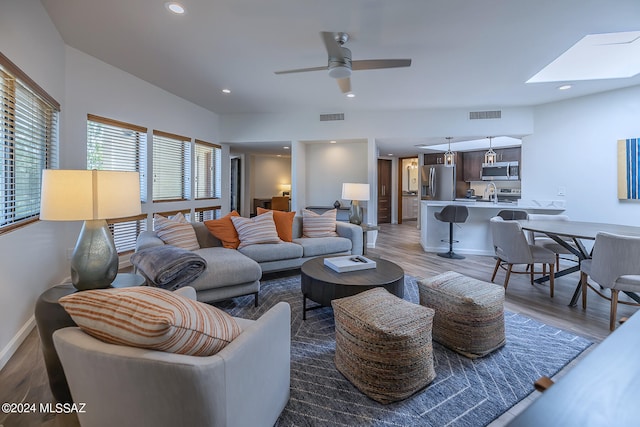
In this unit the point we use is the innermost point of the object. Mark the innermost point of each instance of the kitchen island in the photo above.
(474, 235)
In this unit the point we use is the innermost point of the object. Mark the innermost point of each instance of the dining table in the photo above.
(567, 232)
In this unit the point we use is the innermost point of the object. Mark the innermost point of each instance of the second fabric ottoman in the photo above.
(383, 344)
(469, 315)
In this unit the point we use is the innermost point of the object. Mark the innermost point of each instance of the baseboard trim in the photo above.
(15, 342)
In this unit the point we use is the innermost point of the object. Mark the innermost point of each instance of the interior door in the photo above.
(384, 191)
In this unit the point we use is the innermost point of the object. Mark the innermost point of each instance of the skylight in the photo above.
(595, 57)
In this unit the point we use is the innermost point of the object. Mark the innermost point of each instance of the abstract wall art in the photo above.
(629, 169)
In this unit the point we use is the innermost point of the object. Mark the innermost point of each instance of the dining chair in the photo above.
(280, 203)
(511, 247)
(614, 265)
(541, 239)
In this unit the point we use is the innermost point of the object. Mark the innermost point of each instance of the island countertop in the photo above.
(473, 235)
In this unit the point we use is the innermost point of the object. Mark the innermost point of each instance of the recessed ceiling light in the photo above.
(332, 142)
(351, 95)
(226, 90)
(285, 147)
(174, 7)
(564, 87)
(390, 154)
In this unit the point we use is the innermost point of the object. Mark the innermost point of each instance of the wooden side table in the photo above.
(50, 316)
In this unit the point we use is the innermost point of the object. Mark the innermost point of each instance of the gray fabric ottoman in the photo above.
(469, 315)
(383, 344)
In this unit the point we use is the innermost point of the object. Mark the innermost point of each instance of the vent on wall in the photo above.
(331, 117)
(480, 115)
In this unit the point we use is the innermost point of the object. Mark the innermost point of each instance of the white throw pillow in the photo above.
(176, 231)
(314, 225)
(259, 229)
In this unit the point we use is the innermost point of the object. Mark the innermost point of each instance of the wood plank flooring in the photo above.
(24, 378)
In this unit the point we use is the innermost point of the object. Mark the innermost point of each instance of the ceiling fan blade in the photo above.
(345, 84)
(333, 48)
(374, 64)
(302, 70)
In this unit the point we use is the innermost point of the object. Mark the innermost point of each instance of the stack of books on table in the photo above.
(346, 263)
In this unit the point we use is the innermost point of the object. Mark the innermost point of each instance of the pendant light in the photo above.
(490, 156)
(449, 156)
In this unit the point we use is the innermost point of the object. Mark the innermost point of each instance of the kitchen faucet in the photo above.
(495, 191)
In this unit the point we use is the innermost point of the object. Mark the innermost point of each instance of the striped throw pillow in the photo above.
(259, 229)
(176, 231)
(314, 225)
(151, 318)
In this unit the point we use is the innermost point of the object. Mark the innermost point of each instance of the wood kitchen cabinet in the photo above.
(472, 161)
(434, 159)
(472, 165)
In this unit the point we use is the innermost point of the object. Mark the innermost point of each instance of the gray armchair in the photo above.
(245, 384)
(615, 264)
(511, 247)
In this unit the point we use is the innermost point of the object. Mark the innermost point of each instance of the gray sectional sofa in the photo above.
(235, 272)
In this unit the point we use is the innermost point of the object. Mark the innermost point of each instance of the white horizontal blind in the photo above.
(125, 232)
(171, 166)
(115, 145)
(207, 170)
(28, 133)
(207, 213)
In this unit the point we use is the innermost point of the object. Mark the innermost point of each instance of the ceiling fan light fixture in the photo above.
(340, 72)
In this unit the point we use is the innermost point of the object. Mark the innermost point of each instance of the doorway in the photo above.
(236, 184)
(408, 190)
(384, 191)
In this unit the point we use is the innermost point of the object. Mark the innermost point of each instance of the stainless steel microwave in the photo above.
(501, 171)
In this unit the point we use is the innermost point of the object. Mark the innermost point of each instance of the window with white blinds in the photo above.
(207, 170)
(207, 213)
(28, 131)
(171, 167)
(115, 145)
(125, 232)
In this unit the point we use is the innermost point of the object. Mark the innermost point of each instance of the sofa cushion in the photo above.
(224, 230)
(272, 251)
(176, 231)
(314, 225)
(323, 245)
(225, 267)
(151, 318)
(260, 229)
(283, 221)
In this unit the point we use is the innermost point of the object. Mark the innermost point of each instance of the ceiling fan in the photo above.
(340, 64)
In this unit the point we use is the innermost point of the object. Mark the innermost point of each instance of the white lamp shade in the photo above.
(353, 191)
(74, 195)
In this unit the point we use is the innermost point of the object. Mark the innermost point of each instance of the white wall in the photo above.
(574, 147)
(268, 173)
(328, 166)
(30, 261)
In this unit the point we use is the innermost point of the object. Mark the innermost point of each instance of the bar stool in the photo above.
(510, 215)
(451, 214)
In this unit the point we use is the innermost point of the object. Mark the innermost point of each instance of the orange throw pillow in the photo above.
(284, 223)
(224, 230)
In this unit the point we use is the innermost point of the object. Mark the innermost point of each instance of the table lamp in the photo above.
(286, 189)
(355, 193)
(92, 196)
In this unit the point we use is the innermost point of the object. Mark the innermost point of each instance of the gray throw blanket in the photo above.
(168, 267)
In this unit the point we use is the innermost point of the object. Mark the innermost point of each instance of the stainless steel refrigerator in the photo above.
(438, 182)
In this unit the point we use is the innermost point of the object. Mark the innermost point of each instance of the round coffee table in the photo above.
(321, 284)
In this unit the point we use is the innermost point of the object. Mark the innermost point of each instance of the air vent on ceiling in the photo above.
(481, 115)
(331, 117)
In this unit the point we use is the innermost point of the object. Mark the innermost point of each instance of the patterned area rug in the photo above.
(465, 392)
